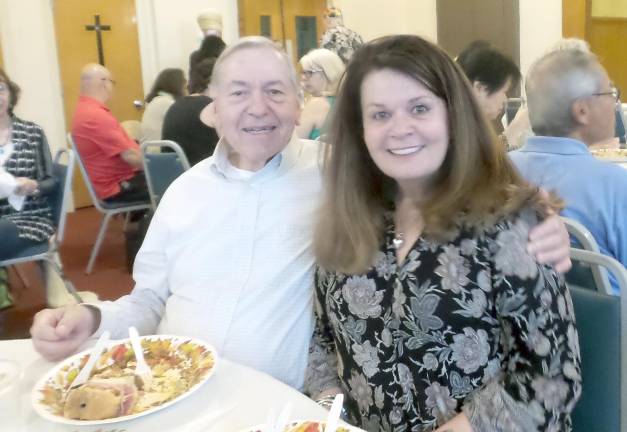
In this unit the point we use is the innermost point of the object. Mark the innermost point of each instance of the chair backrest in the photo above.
(81, 166)
(603, 344)
(582, 274)
(619, 128)
(59, 199)
(161, 169)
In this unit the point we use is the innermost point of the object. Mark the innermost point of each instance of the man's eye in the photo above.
(237, 93)
(275, 92)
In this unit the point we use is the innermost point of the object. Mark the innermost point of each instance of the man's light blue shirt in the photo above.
(595, 192)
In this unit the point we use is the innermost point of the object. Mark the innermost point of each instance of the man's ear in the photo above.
(479, 87)
(580, 110)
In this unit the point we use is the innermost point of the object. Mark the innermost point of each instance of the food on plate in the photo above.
(610, 153)
(114, 391)
(308, 426)
(101, 398)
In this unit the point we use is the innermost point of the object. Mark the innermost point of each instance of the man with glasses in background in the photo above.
(572, 105)
(112, 159)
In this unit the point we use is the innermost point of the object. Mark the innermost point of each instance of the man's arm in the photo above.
(134, 158)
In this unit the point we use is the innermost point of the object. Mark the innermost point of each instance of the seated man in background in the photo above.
(228, 256)
(112, 159)
(571, 106)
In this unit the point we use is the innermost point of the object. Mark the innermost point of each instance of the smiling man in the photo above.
(228, 256)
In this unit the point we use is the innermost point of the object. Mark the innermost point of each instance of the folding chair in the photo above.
(162, 168)
(582, 274)
(602, 327)
(48, 251)
(106, 208)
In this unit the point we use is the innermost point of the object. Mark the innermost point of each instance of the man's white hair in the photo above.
(254, 42)
(554, 83)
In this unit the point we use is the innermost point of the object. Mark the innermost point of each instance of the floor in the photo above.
(109, 278)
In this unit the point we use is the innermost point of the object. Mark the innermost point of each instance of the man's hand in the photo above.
(134, 158)
(57, 333)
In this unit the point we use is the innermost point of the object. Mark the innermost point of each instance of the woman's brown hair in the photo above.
(475, 185)
(14, 90)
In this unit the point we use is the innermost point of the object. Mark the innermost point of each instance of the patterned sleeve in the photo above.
(540, 379)
(322, 365)
(45, 179)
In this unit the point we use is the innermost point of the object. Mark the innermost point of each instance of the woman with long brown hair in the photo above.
(434, 313)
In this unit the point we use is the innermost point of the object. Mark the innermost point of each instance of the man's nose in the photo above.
(258, 104)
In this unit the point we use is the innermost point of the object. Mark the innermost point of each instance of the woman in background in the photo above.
(429, 306)
(182, 123)
(169, 86)
(26, 180)
(321, 73)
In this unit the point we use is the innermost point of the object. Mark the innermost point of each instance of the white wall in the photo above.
(168, 32)
(374, 18)
(30, 59)
(540, 27)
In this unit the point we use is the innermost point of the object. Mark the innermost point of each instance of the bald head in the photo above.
(96, 82)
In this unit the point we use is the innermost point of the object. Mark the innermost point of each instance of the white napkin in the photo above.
(8, 185)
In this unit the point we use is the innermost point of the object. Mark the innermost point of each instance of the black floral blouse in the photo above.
(474, 325)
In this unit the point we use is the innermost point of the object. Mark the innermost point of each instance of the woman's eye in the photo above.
(419, 109)
(380, 115)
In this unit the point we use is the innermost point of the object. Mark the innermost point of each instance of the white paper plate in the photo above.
(47, 413)
(296, 423)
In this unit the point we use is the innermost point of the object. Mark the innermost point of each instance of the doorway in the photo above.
(295, 24)
(90, 32)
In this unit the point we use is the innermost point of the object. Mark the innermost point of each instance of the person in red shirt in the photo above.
(112, 159)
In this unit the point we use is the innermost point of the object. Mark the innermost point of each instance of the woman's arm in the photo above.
(321, 376)
(46, 182)
(540, 378)
(313, 115)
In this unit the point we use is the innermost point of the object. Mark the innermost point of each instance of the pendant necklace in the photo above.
(398, 240)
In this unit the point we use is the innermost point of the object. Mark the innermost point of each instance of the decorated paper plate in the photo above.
(306, 426)
(180, 365)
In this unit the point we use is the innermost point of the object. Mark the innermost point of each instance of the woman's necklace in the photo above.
(398, 240)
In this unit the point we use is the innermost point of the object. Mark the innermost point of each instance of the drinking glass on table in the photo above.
(10, 375)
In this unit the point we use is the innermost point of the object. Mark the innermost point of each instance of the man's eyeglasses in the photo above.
(614, 92)
(110, 80)
(309, 73)
(4, 87)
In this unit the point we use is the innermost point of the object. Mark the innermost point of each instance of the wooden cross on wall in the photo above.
(98, 28)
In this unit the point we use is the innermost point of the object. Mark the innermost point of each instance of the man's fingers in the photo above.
(44, 325)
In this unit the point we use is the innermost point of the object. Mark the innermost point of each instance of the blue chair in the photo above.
(161, 168)
(603, 344)
(108, 209)
(582, 274)
(48, 251)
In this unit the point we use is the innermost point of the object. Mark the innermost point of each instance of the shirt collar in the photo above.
(279, 163)
(555, 145)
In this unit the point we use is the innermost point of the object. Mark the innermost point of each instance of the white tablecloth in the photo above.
(234, 398)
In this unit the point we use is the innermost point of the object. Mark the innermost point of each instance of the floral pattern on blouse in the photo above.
(342, 41)
(474, 325)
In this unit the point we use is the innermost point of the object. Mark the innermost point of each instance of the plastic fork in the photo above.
(142, 370)
(334, 413)
(94, 355)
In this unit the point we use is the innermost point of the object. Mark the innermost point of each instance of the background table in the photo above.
(234, 398)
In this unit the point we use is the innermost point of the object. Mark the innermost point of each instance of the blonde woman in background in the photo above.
(321, 73)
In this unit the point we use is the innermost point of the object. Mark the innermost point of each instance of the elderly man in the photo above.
(228, 257)
(571, 106)
(112, 159)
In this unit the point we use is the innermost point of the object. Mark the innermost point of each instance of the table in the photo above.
(234, 398)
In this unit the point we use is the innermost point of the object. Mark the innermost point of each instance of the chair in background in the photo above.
(108, 209)
(602, 326)
(162, 168)
(48, 251)
(585, 275)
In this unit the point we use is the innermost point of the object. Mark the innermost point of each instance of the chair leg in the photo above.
(54, 260)
(21, 276)
(99, 239)
(127, 218)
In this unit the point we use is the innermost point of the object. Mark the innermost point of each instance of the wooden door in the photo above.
(296, 24)
(77, 46)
